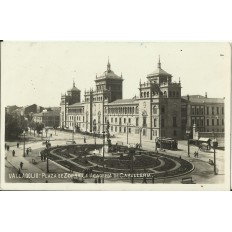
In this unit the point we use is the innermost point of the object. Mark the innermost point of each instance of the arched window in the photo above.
(154, 110)
(137, 110)
(133, 110)
(155, 122)
(147, 94)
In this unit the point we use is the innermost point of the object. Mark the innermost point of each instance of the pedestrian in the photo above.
(21, 165)
(13, 152)
(95, 180)
(144, 180)
(8, 147)
(27, 151)
(17, 145)
(153, 179)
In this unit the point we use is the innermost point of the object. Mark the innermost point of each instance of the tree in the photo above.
(14, 125)
(39, 127)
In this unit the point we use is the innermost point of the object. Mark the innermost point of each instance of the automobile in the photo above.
(70, 142)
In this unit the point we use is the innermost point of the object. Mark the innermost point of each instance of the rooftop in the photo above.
(108, 74)
(124, 101)
(74, 88)
(159, 71)
(202, 99)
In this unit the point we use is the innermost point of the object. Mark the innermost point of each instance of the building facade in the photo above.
(155, 112)
(48, 118)
(207, 114)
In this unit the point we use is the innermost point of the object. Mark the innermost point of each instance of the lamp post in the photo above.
(24, 144)
(103, 156)
(132, 152)
(140, 133)
(188, 134)
(215, 144)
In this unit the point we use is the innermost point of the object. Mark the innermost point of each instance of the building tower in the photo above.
(160, 105)
(73, 96)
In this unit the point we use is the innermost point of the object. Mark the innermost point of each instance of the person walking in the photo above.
(21, 165)
(27, 151)
(17, 145)
(13, 153)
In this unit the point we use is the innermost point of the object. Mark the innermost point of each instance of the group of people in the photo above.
(43, 156)
(87, 172)
(98, 180)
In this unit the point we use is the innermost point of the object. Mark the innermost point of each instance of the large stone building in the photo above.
(207, 114)
(157, 110)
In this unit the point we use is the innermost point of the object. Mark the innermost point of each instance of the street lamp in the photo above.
(215, 144)
(188, 134)
(127, 131)
(140, 133)
(103, 156)
(24, 144)
(132, 152)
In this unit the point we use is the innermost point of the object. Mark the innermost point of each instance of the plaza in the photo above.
(78, 160)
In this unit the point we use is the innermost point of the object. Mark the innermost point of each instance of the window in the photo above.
(202, 122)
(115, 129)
(162, 123)
(147, 94)
(174, 121)
(163, 109)
(207, 122)
(212, 122)
(212, 110)
(129, 120)
(193, 110)
(155, 122)
(222, 110)
(217, 110)
(197, 110)
(120, 121)
(154, 110)
(129, 130)
(222, 121)
(124, 129)
(111, 120)
(144, 121)
(111, 128)
(193, 122)
(115, 120)
(217, 122)
(124, 120)
(207, 110)
(137, 121)
(120, 129)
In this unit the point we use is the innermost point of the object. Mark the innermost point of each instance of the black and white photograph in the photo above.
(115, 115)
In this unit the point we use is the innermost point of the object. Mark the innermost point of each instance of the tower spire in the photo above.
(108, 65)
(159, 64)
(73, 83)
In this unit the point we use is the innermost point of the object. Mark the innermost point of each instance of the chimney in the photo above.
(205, 94)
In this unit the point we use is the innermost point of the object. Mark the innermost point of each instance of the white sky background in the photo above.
(38, 72)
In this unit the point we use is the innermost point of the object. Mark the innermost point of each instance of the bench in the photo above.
(187, 180)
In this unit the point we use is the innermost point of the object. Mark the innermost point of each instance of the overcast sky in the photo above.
(39, 72)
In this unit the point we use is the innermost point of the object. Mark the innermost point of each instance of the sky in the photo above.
(38, 72)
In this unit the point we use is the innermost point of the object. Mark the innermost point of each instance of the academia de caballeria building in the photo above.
(157, 111)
